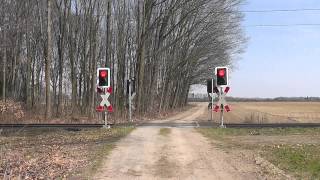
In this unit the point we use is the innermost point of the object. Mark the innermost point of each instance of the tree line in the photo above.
(51, 48)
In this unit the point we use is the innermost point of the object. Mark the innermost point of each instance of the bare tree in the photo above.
(4, 64)
(48, 62)
(166, 45)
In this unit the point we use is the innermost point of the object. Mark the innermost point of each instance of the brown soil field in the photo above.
(270, 112)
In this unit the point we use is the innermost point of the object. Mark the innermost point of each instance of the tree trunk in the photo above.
(4, 75)
(108, 35)
(141, 57)
(48, 63)
(28, 86)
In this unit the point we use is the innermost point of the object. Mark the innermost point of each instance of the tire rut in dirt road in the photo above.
(181, 154)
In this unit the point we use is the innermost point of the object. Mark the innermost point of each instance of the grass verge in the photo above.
(300, 160)
(303, 161)
(164, 131)
(223, 132)
(56, 153)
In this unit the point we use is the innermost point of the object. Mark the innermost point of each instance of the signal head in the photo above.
(103, 77)
(221, 72)
(222, 76)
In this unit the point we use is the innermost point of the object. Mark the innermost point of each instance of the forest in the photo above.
(50, 50)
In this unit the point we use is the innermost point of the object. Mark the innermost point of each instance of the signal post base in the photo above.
(106, 126)
(222, 126)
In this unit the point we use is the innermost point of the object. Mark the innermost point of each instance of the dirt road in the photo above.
(182, 153)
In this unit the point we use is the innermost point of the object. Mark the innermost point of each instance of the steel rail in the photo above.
(51, 125)
(275, 125)
(200, 124)
(195, 124)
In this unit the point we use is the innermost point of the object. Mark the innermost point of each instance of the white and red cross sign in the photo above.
(222, 103)
(105, 104)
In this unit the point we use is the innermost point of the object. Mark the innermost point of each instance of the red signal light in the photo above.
(103, 74)
(221, 72)
(103, 78)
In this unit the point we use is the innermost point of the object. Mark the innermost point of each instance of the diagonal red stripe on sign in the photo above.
(216, 108)
(227, 90)
(99, 108)
(227, 108)
(110, 108)
(109, 90)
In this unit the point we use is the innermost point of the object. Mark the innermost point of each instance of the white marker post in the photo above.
(130, 98)
(105, 103)
(211, 99)
(222, 107)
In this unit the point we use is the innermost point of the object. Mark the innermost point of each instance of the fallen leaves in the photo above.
(11, 107)
(50, 155)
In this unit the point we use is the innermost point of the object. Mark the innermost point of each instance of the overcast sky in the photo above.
(279, 61)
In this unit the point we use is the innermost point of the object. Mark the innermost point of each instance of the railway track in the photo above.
(51, 126)
(194, 124)
(275, 125)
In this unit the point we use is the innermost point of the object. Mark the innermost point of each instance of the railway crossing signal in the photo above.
(222, 76)
(104, 89)
(210, 82)
(103, 77)
(216, 86)
(211, 89)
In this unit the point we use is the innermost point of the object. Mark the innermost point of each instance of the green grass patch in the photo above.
(303, 161)
(164, 131)
(300, 160)
(221, 132)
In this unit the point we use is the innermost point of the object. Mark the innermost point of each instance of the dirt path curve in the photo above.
(181, 154)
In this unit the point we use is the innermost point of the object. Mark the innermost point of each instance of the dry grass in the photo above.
(294, 150)
(55, 153)
(274, 112)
